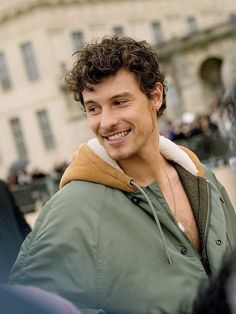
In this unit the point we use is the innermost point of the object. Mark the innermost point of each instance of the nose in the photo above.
(109, 119)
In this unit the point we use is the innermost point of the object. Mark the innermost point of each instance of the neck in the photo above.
(144, 168)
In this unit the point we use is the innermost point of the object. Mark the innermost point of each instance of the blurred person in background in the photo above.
(13, 230)
(138, 222)
(12, 181)
(218, 296)
(219, 117)
(23, 177)
(37, 174)
(58, 169)
(228, 105)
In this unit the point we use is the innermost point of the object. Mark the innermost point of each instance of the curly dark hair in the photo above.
(98, 60)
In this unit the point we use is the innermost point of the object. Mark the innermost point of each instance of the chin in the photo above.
(116, 156)
(119, 155)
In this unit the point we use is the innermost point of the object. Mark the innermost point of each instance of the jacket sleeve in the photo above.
(59, 255)
(230, 217)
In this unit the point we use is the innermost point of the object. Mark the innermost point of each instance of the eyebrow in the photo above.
(90, 102)
(124, 94)
(93, 102)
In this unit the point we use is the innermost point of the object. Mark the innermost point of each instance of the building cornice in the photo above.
(197, 40)
(12, 10)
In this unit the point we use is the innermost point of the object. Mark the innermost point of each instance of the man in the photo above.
(138, 222)
(13, 230)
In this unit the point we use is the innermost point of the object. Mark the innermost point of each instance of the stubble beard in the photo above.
(135, 148)
(119, 154)
(131, 150)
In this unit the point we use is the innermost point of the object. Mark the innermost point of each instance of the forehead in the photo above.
(122, 82)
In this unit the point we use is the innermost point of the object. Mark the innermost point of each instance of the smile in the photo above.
(118, 136)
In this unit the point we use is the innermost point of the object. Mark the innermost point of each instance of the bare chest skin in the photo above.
(182, 211)
(184, 214)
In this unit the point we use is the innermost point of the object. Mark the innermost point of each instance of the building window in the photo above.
(4, 76)
(30, 62)
(46, 130)
(232, 17)
(118, 30)
(18, 137)
(192, 25)
(158, 36)
(78, 40)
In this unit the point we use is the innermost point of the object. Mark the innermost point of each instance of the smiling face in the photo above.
(121, 116)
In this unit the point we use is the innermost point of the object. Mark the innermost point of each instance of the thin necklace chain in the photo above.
(172, 191)
(180, 225)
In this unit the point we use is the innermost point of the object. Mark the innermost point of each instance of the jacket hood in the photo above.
(92, 163)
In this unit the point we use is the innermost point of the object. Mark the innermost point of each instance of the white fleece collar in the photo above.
(168, 149)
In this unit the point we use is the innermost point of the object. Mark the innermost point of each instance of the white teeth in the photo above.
(117, 136)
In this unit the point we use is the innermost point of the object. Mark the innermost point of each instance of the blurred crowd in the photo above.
(208, 135)
(22, 176)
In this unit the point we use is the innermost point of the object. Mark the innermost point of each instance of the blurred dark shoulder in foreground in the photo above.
(13, 230)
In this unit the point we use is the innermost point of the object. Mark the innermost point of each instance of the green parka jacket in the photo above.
(112, 247)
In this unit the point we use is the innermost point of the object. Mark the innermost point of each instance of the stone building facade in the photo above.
(196, 43)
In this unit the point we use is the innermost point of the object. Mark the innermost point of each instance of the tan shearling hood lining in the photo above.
(91, 163)
(87, 166)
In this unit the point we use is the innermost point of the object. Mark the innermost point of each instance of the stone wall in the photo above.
(48, 24)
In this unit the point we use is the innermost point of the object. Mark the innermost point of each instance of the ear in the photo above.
(157, 96)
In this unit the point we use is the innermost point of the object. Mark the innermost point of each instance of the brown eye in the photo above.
(93, 109)
(120, 102)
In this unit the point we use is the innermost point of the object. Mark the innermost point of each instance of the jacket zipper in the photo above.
(203, 257)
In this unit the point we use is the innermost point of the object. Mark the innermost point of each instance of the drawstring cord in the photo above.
(132, 182)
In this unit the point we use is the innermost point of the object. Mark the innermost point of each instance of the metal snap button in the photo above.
(184, 250)
(135, 200)
(218, 242)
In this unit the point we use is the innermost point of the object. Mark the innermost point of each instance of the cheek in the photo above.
(94, 123)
